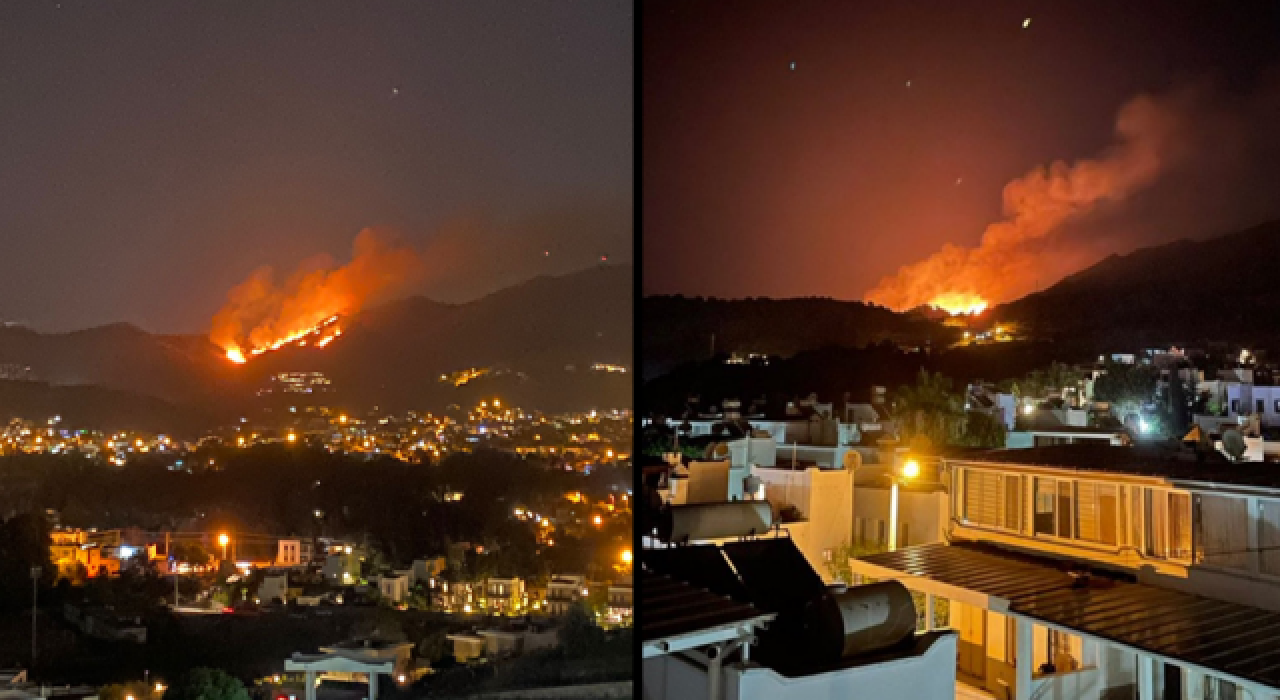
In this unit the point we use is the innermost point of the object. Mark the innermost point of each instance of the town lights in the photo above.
(597, 520)
(911, 469)
(293, 437)
(626, 556)
(223, 539)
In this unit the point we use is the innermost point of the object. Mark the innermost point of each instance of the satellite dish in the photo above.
(852, 460)
(1233, 444)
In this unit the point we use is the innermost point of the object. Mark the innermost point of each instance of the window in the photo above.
(1054, 511)
(1222, 531)
(1096, 512)
(1262, 406)
(1220, 689)
(1269, 536)
(992, 499)
(826, 555)
(1235, 405)
(1168, 525)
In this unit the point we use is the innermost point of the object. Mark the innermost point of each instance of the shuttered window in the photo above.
(982, 497)
(1269, 535)
(1096, 512)
(1222, 531)
(993, 499)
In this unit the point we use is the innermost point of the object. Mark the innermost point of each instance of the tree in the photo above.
(206, 684)
(580, 636)
(434, 646)
(931, 413)
(839, 567)
(1125, 384)
(983, 430)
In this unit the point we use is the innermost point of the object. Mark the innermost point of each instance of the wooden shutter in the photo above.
(982, 497)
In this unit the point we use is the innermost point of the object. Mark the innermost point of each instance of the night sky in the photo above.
(794, 148)
(153, 154)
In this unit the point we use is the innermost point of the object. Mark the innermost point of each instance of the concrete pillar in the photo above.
(713, 672)
(928, 612)
(1023, 659)
(1193, 683)
(373, 686)
(893, 516)
(311, 685)
(1146, 677)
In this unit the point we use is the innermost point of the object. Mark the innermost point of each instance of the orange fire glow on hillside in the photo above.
(956, 303)
(261, 316)
(1012, 256)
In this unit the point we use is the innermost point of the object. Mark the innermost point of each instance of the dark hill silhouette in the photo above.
(679, 329)
(1188, 292)
(390, 355)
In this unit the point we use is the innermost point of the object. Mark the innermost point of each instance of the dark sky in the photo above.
(154, 153)
(760, 180)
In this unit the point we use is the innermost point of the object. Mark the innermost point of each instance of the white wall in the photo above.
(924, 512)
(825, 500)
(931, 675)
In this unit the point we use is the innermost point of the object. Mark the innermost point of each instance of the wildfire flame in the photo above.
(1012, 257)
(956, 303)
(261, 316)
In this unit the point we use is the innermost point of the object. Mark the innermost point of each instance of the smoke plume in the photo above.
(259, 313)
(1013, 253)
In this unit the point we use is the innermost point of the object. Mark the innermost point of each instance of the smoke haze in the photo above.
(260, 312)
(1181, 164)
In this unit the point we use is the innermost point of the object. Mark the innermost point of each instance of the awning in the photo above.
(677, 616)
(1230, 639)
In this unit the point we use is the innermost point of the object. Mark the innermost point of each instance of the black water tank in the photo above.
(860, 620)
(709, 521)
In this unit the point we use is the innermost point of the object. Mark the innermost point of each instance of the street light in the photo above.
(626, 556)
(910, 470)
(223, 539)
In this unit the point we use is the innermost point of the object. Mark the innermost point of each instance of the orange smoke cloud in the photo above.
(259, 314)
(1008, 261)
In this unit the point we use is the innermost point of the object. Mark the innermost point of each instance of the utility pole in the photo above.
(35, 596)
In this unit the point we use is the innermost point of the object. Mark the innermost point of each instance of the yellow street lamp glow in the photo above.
(626, 556)
(293, 438)
(223, 539)
(911, 469)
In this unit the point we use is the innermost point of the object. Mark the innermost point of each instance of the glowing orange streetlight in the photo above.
(223, 539)
(626, 556)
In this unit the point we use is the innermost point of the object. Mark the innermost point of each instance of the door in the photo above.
(970, 623)
(1172, 682)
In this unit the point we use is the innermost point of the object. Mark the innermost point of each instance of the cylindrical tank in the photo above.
(860, 620)
(706, 521)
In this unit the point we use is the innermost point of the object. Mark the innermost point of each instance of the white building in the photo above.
(274, 587)
(342, 565)
(504, 594)
(293, 552)
(723, 622)
(563, 590)
(394, 586)
(1109, 570)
